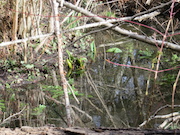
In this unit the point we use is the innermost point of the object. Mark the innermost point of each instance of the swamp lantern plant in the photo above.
(76, 65)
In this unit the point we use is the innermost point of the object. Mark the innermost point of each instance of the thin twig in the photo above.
(174, 89)
(120, 30)
(157, 116)
(62, 103)
(81, 111)
(92, 32)
(73, 93)
(98, 109)
(99, 96)
(69, 15)
(7, 119)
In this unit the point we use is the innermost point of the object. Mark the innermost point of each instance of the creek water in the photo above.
(110, 95)
(124, 96)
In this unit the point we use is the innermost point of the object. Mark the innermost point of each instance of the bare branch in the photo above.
(122, 31)
(14, 115)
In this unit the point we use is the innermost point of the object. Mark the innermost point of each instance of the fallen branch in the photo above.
(120, 30)
(45, 36)
(155, 116)
(100, 23)
(169, 121)
(153, 9)
(91, 32)
(25, 39)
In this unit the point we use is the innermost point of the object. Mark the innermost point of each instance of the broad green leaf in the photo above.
(69, 63)
(114, 50)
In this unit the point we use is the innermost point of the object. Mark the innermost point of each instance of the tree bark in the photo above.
(61, 67)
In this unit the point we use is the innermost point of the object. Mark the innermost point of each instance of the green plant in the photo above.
(73, 21)
(173, 60)
(146, 54)
(92, 52)
(110, 14)
(2, 105)
(8, 86)
(76, 65)
(71, 82)
(38, 110)
(114, 50)
(56, 91)
(10, 64)
(174, 126)
(167, 79)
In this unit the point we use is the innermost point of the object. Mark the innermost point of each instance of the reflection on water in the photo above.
(124, 90)
(110, 95)
(97, 120)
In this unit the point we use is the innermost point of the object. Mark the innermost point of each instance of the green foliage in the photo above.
(92, 53)
(73, 21)
(114, 50)
(48, 51)
(56, 91)
(76, 93)
(12, 97)
(146, 54)
(2, 105)
(71, 82)
(38, 110)
(31, 77)
(110, 14)
(8, 85)
(174, 60)
(27, 66)
(8, 63)
(167, 79)
(70, 59)
(76, 65)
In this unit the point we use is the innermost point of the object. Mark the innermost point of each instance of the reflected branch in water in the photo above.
(94, 105)
(91, 82)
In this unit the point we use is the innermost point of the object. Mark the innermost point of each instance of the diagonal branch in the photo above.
(14, 115)
(120, 30)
